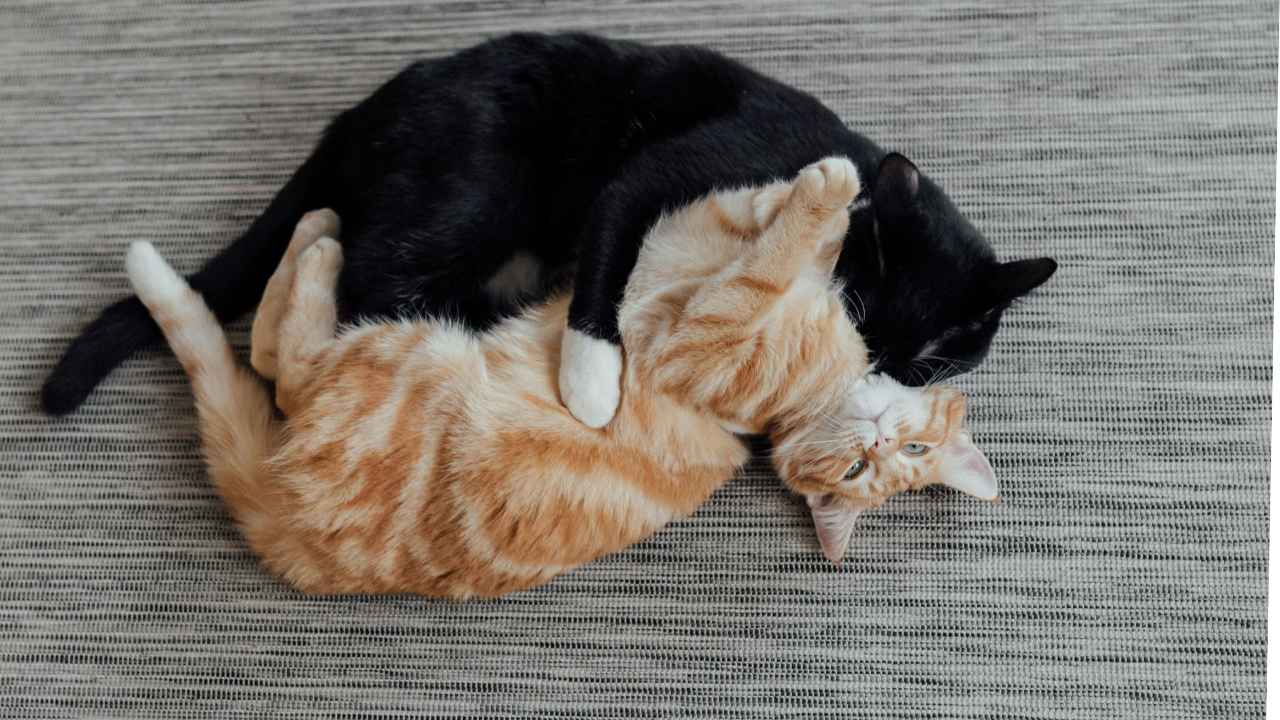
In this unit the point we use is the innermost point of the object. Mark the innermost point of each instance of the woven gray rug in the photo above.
(1124, 407)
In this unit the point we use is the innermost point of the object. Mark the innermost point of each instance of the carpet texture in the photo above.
(1125, 405)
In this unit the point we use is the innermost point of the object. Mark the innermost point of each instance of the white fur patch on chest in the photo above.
(518, 277)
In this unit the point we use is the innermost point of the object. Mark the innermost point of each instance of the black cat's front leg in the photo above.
(723, 153)
(591, 351)
(666, 175)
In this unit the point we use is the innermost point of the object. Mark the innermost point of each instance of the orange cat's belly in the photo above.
(468, 478)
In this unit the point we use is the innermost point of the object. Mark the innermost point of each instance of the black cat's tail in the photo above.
(231, 284)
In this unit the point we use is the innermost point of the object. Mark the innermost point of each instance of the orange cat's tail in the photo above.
(238, 428)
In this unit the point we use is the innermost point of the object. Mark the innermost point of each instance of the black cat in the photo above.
(536, 152)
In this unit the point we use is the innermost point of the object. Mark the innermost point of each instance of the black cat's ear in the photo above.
(1010, 281)
(897, 183)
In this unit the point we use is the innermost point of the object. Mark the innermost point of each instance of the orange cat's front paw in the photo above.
(829, 184)
(322, 261)
(766, 203)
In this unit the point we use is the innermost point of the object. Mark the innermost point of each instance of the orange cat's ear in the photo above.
(955, 407)
(833, 521)
(966, 469)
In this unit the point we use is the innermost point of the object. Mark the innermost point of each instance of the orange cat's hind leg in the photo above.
(265, 338)
(310, 319)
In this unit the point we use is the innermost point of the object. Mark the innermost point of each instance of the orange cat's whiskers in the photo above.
(950, 366)
(826, 442)
(855, 303)
(418, 456)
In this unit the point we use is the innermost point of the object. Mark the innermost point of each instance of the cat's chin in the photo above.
(873, 394)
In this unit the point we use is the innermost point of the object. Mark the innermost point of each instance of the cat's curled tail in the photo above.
(237, 423)
(231, 283)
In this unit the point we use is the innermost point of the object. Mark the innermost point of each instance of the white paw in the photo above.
(590, 377)
(150, 275)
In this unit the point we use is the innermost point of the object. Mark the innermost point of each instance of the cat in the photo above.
(424, 457)
(466, 182)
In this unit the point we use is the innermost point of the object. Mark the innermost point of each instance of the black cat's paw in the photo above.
(590, 377)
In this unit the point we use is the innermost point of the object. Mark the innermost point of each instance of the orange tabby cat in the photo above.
(421, 457)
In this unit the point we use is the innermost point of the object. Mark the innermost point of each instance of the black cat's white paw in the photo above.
(590, 377)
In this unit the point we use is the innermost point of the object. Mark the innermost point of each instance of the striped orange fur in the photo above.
(420, 457)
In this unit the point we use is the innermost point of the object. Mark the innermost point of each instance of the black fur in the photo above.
(569, 147)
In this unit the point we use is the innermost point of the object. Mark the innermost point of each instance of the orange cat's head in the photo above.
(877, 440)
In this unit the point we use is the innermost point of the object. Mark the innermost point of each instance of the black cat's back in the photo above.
(458, 163)
(528, 155)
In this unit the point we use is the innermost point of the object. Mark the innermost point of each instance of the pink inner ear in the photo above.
(968, 471)
(975, 462)
(833, 523)
(820, 501)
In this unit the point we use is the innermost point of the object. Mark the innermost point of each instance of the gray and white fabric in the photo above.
(1125, 405)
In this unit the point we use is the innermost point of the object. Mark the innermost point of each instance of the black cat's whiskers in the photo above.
(948, 367)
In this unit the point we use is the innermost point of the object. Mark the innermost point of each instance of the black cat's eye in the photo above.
(856, 469)
(915, 448)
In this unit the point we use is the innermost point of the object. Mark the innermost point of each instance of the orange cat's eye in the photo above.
(915, 448)
(855, 469)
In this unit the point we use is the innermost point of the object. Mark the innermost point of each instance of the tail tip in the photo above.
(59, 395)
(150, 275)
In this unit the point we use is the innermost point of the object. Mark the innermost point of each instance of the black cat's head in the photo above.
(923, 283)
